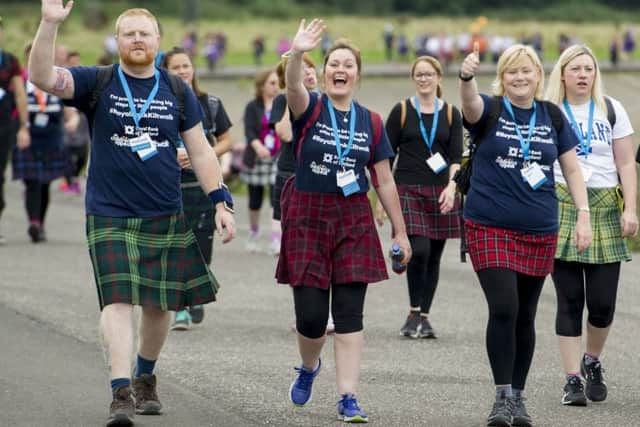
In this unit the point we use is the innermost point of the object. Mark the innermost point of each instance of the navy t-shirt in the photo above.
(318, 163)
(119, 183)
(499, 196)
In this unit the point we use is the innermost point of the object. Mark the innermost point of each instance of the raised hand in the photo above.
(307, 38)
(471, 62)
(54, 11)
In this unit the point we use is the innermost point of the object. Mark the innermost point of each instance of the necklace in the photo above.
(344, 115)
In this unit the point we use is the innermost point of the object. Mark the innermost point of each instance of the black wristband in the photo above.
(463, 78)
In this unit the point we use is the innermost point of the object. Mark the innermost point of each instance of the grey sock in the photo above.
(503, 391)
(518, 393)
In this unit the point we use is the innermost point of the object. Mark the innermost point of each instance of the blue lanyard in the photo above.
(336, 135)
(1, 58)
(585, 143)
(532, 124)
(428, 139)
(134, 114)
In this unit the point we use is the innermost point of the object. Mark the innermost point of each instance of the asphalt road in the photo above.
(235, 369)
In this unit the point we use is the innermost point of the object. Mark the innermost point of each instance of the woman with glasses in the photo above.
(425, 133)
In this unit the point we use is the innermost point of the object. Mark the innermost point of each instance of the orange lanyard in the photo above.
(40, 97)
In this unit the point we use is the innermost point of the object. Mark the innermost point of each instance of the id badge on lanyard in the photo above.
(142, 145)
(345, 179)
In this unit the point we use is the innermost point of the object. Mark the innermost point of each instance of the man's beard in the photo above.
(129, 59)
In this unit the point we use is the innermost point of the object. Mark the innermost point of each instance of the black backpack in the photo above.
(105, 73)
(211, 106)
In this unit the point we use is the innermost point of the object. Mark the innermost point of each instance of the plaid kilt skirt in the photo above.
(421, 212)
(197, 207)
(263, 173)
(152, 262)
(492, 247)
(39, 163)
(607, 244)
(328, 239)
(281, 178)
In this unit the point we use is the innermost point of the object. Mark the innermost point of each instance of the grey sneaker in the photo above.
(574, 392)
(519, 413)
(500, 415)
(425, 330)
(410, 328)
(144, 390)
(122, 409)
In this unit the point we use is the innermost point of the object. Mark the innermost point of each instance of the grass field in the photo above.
(366, 32)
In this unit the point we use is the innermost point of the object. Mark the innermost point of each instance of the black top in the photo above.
(286, 160)
(408, 144)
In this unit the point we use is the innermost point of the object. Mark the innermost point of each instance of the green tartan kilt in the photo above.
(152, 262)
(197, 207)
(607, 245)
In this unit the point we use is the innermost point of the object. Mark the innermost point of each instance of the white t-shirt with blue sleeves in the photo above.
(599, 162)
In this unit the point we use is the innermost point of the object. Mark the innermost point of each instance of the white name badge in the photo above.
(437, 163)
(2, 93)
(347, 182)
(534, 175)
(269, 141)
(41, 120)
(586, 172)
(143, 146)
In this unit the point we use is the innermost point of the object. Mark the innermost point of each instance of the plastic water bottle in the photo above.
(396, 254)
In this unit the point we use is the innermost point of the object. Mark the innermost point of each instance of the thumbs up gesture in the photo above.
(470, 63)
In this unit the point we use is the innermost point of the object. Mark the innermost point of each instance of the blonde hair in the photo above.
(512, 57)
(282, 66)
(436, 66)
(138, 11)
(556, 89)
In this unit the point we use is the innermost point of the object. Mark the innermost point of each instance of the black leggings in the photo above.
(511, 336)
(36, 200)
(312, 308)
(423, 271)
(7, 141)
(575, 283)
(77, 160)
(256, 195)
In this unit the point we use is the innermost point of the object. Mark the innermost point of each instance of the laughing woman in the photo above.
(330, 248)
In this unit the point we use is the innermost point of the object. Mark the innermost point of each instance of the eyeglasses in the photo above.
(425, 76)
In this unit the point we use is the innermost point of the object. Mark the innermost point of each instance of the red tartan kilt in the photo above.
(421, 212)
(328, 239)
(492, 247)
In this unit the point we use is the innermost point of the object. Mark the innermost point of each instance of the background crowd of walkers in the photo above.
(552, 192)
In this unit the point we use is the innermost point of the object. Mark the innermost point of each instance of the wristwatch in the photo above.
(223, 195)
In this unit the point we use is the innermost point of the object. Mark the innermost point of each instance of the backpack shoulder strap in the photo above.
(449, 114)
(556, 116)
(611, 112)
(310, 121)
(403, 113)
(178, 90)
(495, 109)
(376, 124)
(103, 77)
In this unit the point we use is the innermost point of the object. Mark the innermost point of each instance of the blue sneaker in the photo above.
(301, 389)
(349, 411)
